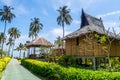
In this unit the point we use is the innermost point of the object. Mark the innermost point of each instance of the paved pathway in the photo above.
(14, 71)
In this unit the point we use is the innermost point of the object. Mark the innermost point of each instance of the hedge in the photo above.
(3, 62)
(56, 72)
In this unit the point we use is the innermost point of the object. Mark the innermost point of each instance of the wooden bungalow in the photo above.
(76, 44)
(37, 43)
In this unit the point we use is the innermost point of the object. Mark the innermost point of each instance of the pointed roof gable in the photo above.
(87, 19)
(90, 24)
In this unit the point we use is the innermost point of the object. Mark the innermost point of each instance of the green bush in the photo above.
(67, 60)
(56, 72)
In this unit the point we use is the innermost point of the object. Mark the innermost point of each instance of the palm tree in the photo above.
(10, 43)
(6, 16)
(64, 17)
(58, 41)
(2, 38)
(20, 48)
(14, 34)
(35, 27)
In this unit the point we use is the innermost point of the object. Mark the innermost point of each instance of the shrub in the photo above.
(56, 72)
(67, 60)
(3, 62)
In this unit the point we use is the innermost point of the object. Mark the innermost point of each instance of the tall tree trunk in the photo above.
(12, 51)
(20, 54)
(9, 50)
(34, 49)
(63, 37)
(63, 29)
(4, 33)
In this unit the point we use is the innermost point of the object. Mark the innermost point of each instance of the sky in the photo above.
(46, 11)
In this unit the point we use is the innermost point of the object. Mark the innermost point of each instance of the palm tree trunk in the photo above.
(5, 27)
(4, 33)
(9, 51)
(63, 28)
(20, 54)
(12, 51)
(63, 36)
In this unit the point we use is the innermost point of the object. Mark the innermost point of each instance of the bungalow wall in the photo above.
(83, 48)
(115, 49)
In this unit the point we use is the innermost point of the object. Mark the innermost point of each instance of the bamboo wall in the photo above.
(115, 49)
(89, 49)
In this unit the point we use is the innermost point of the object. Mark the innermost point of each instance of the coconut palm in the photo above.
(10, 43)
(58, 41)
(64, 17)
(6, 16)
(35, 27)
(20, 48)
(2, 38)
(14, 34)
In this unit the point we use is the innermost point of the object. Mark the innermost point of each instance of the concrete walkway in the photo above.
(14, 71)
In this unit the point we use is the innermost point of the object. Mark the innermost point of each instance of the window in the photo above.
(77, 41)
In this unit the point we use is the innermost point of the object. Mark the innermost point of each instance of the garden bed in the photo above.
(56, 72)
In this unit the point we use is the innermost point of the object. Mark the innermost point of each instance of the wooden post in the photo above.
(97, 62)
(94, 63)
(86, 61)
(105, 62)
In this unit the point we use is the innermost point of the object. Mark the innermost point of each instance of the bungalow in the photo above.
(77, 44)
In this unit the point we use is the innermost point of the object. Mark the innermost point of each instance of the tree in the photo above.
(14, 34)
(20, 48)
(2, 38)
(10, 43)
(6, 16)
(64, 17)
(35, 27)
(2, 52)
(58, 41)
(104, 40)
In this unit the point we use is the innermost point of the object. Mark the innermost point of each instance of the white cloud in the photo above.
(7, 2)
(76, 22)
(110, 13)
(45, 12)
(21, 10)
(74, 5)
(111, 25)
(22, 39)
(59, 32)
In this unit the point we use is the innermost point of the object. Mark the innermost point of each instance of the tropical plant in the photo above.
(2, 52)
(6, 16)
(64, 17)
(10, 43)
(35, 27)
(58, 41)
(20, 48)
(54, 71)
(14, 34)
(2, 38)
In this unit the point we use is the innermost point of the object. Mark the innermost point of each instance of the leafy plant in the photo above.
(56, 72)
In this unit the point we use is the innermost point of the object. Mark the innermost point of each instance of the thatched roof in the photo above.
(90, 24)
(40, 41)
